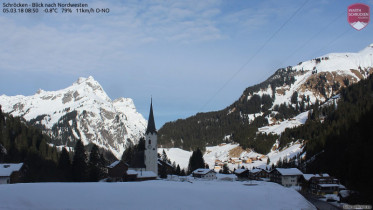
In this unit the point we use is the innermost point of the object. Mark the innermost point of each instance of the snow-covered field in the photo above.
(157, 194)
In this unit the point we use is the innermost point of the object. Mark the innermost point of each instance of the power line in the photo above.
(253, 56)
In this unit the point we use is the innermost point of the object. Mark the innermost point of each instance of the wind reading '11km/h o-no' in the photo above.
(50, 8)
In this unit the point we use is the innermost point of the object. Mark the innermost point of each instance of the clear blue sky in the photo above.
(190, 55)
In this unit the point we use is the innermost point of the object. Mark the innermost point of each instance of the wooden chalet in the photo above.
(204, 173)
(10, 173)
(242, 174)
(117, 171)
(324, 185)
(286, 176)
(258, 174)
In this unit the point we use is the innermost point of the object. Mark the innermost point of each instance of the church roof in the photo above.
(151, 124)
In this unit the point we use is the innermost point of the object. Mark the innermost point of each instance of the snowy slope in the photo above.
(280, 127)
(222, 153)
(334, 66)
(158, 194)
(82, 111)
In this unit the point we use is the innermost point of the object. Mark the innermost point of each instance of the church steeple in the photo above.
(151, 124)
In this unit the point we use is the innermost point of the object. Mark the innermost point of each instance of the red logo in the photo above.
(358, 15)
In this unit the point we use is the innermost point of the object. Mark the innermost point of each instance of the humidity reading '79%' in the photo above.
(52, 8)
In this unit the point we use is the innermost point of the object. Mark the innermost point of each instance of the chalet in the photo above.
(10, 172)
(321, 185)
(204, 173)
(242, 174)
(287, 177)
(117, 171)
(305, 180)
(258, 174)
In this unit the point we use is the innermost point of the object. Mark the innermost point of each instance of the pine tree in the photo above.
(64, 165)
(196, 161)
(79, 167)
(226, 169)
(95, 167)
(128, 154)
(178, 171)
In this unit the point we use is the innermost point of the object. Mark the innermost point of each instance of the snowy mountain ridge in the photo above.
(282, 101)
(82, 111)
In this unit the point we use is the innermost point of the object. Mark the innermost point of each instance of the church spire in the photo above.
(151, 124)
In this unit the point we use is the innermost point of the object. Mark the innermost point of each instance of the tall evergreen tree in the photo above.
(79, 167)
(95, 166)
(64, 165)
(196, 161)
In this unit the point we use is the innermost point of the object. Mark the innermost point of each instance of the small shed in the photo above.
(117, 170)
(204, 173)
(10, 172)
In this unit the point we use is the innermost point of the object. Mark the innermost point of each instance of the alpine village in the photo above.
(304, 132)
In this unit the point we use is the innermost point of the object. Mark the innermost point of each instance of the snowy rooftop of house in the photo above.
(331, 185)
(114, 164)
(240, 171)
(289, 171)
(256, 170)
(145, 174)
(131, 172)
(309, 176)
(202, 171)
(6, 169)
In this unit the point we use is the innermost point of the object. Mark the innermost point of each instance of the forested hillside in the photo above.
(239, 122)
(20, 142)
(340, 139)
(287, 93)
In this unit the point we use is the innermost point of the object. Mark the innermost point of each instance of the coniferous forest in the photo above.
(20, 142)
(339, 138)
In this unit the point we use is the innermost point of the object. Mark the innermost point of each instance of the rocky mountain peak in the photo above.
(81, 111)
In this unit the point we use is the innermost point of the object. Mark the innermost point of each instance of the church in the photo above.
(145, 163)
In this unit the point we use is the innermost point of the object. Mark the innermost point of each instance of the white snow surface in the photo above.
(99, 120)
(341, 61)
(221, 152)
(157, 194)
(281, 126)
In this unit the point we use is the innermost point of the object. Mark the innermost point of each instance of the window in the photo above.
(150, 141)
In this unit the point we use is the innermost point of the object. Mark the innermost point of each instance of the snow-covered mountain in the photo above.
(310, 77)
(82, 111)
(281, 101)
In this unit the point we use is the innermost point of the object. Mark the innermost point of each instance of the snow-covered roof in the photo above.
(131, 172)
(203, 171)
(256, 170)
(6, 169)
(114, 164)
(289, 171)
(344, 193)
(240, 171)
(309, 176)
(330, 185)
(145, 174)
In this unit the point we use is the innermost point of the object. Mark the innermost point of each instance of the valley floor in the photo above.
(157, 194)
